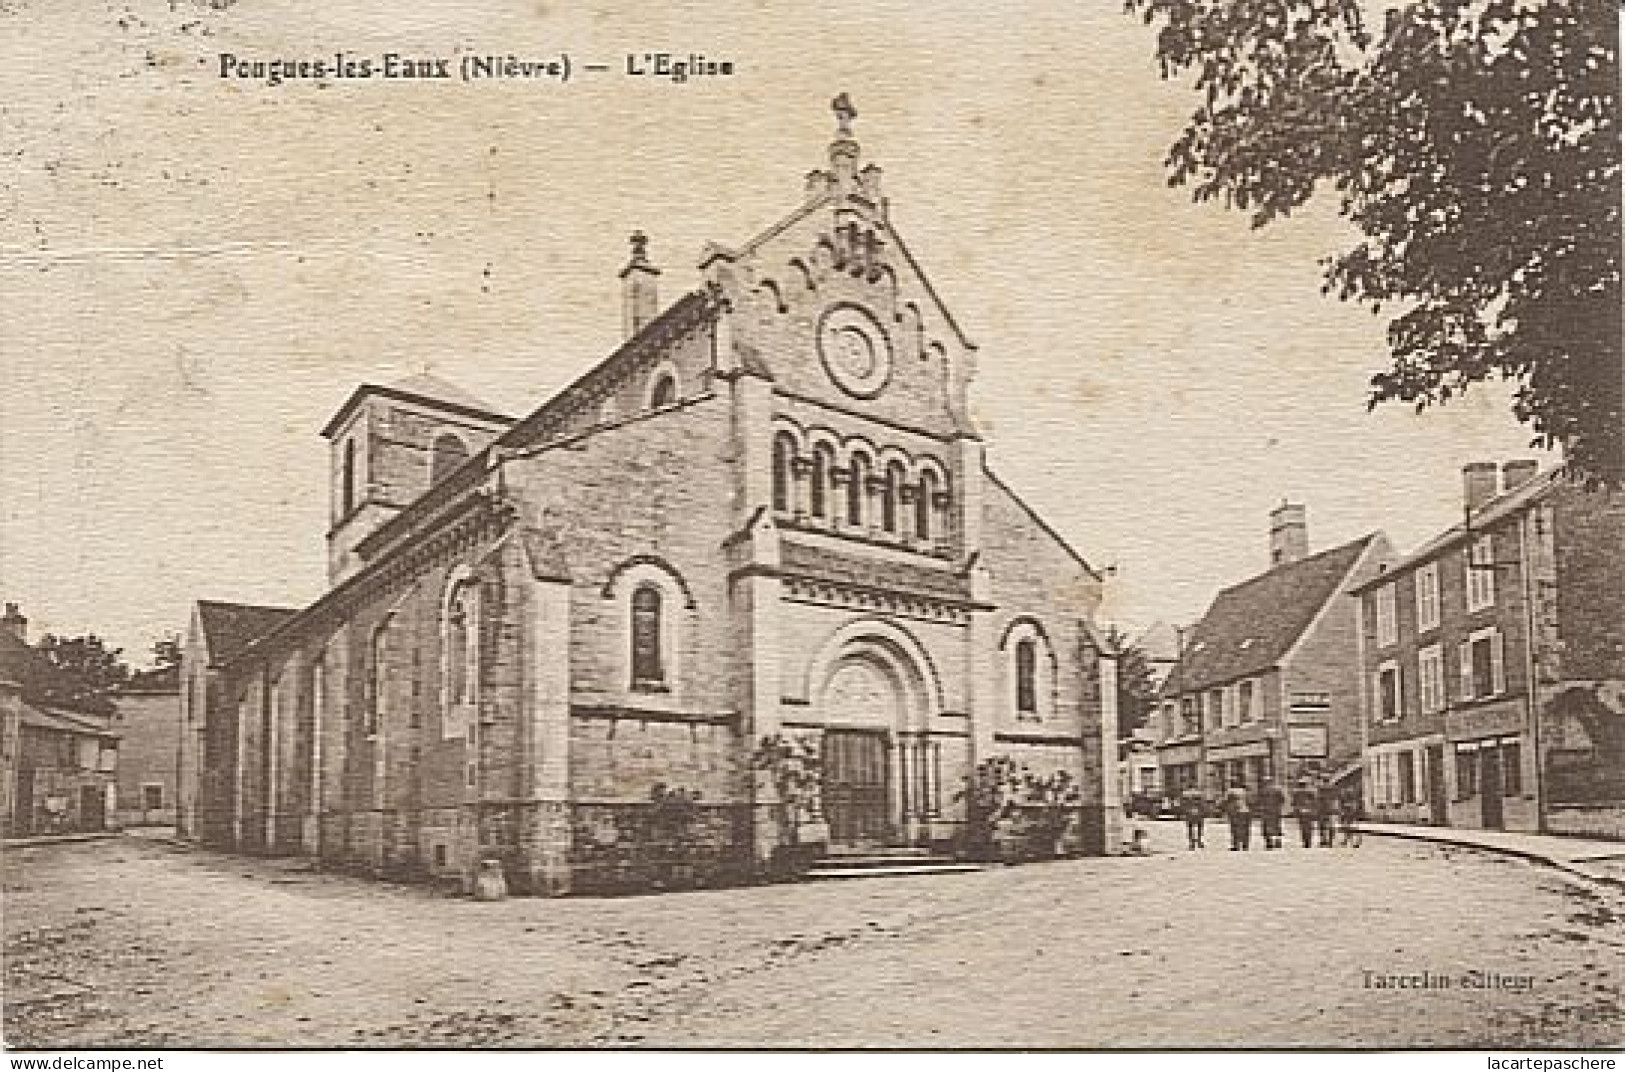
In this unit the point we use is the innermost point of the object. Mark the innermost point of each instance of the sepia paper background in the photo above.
(196, 271)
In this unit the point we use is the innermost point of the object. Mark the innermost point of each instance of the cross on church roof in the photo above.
(844, 114)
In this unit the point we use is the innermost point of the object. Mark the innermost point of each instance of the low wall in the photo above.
(1588, 820)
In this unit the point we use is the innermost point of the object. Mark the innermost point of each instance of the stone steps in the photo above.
(888, 864)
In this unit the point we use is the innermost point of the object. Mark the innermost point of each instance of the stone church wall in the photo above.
(1034, 576)
(649, 499)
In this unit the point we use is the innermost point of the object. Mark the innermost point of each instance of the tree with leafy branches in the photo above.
(1136, 686)
(1475, 147)
(81, 673)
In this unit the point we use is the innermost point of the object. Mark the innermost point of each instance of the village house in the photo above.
(1267, 686)
(149, 723)
(61, 765)
(1494, 658)
(558, 642)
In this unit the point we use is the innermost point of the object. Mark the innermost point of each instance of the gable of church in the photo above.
(833, 306)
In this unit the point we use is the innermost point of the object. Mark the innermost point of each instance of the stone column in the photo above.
(982, 697)
(547, 834)
(311, 829)
(1111, 802)
(756, 596)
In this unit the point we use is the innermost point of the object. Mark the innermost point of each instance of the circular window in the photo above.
(855, 350)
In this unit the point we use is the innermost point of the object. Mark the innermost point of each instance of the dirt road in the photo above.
(135, 942)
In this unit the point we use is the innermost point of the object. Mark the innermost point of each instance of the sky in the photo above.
(195, 272)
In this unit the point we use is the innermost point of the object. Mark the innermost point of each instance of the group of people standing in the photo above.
(1317, 805)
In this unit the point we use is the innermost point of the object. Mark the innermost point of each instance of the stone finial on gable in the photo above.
(843, 151)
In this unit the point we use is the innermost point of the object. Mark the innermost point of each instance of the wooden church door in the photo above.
(857, 795)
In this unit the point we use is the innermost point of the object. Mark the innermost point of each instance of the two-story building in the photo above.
(1494, 663)
(1267, 686)
(61, 763)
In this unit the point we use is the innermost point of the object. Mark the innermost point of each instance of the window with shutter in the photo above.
(1427, 597)
(1498, 679)
(1387, 622)
(1487, 663)
(1390, 697)
(1480, 574)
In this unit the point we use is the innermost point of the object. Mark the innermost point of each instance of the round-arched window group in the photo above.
(852, 486)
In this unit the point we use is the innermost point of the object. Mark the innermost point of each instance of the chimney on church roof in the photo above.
(639, 299)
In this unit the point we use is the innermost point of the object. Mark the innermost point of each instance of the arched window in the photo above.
(347, 479)
(648, 662)
(856, 489)
(445, 456)
(823, 462)
(460, 658)
(664, 392)
(926, 492)
(1027, 678)
(784, 454)
(378, 680)
(888, 504)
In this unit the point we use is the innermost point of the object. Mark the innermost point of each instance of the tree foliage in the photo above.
(78, 672)
(1136, 686)
(1474, 145)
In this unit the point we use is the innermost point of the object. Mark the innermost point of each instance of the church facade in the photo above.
(559, 642)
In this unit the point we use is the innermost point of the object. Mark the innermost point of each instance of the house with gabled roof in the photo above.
(1267, 686)
(58, 764)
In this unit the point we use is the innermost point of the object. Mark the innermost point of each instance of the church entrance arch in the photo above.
(873, 695)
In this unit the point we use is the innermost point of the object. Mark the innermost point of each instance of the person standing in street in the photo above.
(1305, 803)
(1193, 809)
(1271, 806)
(1326, 804)
(1238, 808)
(1349, 815)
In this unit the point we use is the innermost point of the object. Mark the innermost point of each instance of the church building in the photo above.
(559, 642)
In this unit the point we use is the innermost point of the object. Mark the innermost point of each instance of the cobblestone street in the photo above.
(133, 942)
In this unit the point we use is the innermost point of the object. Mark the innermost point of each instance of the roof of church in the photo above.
(228, 628)
(1252, 625)
(426, 384)
(424, 388)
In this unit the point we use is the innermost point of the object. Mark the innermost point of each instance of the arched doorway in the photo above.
(861, 706)
(874, 700)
